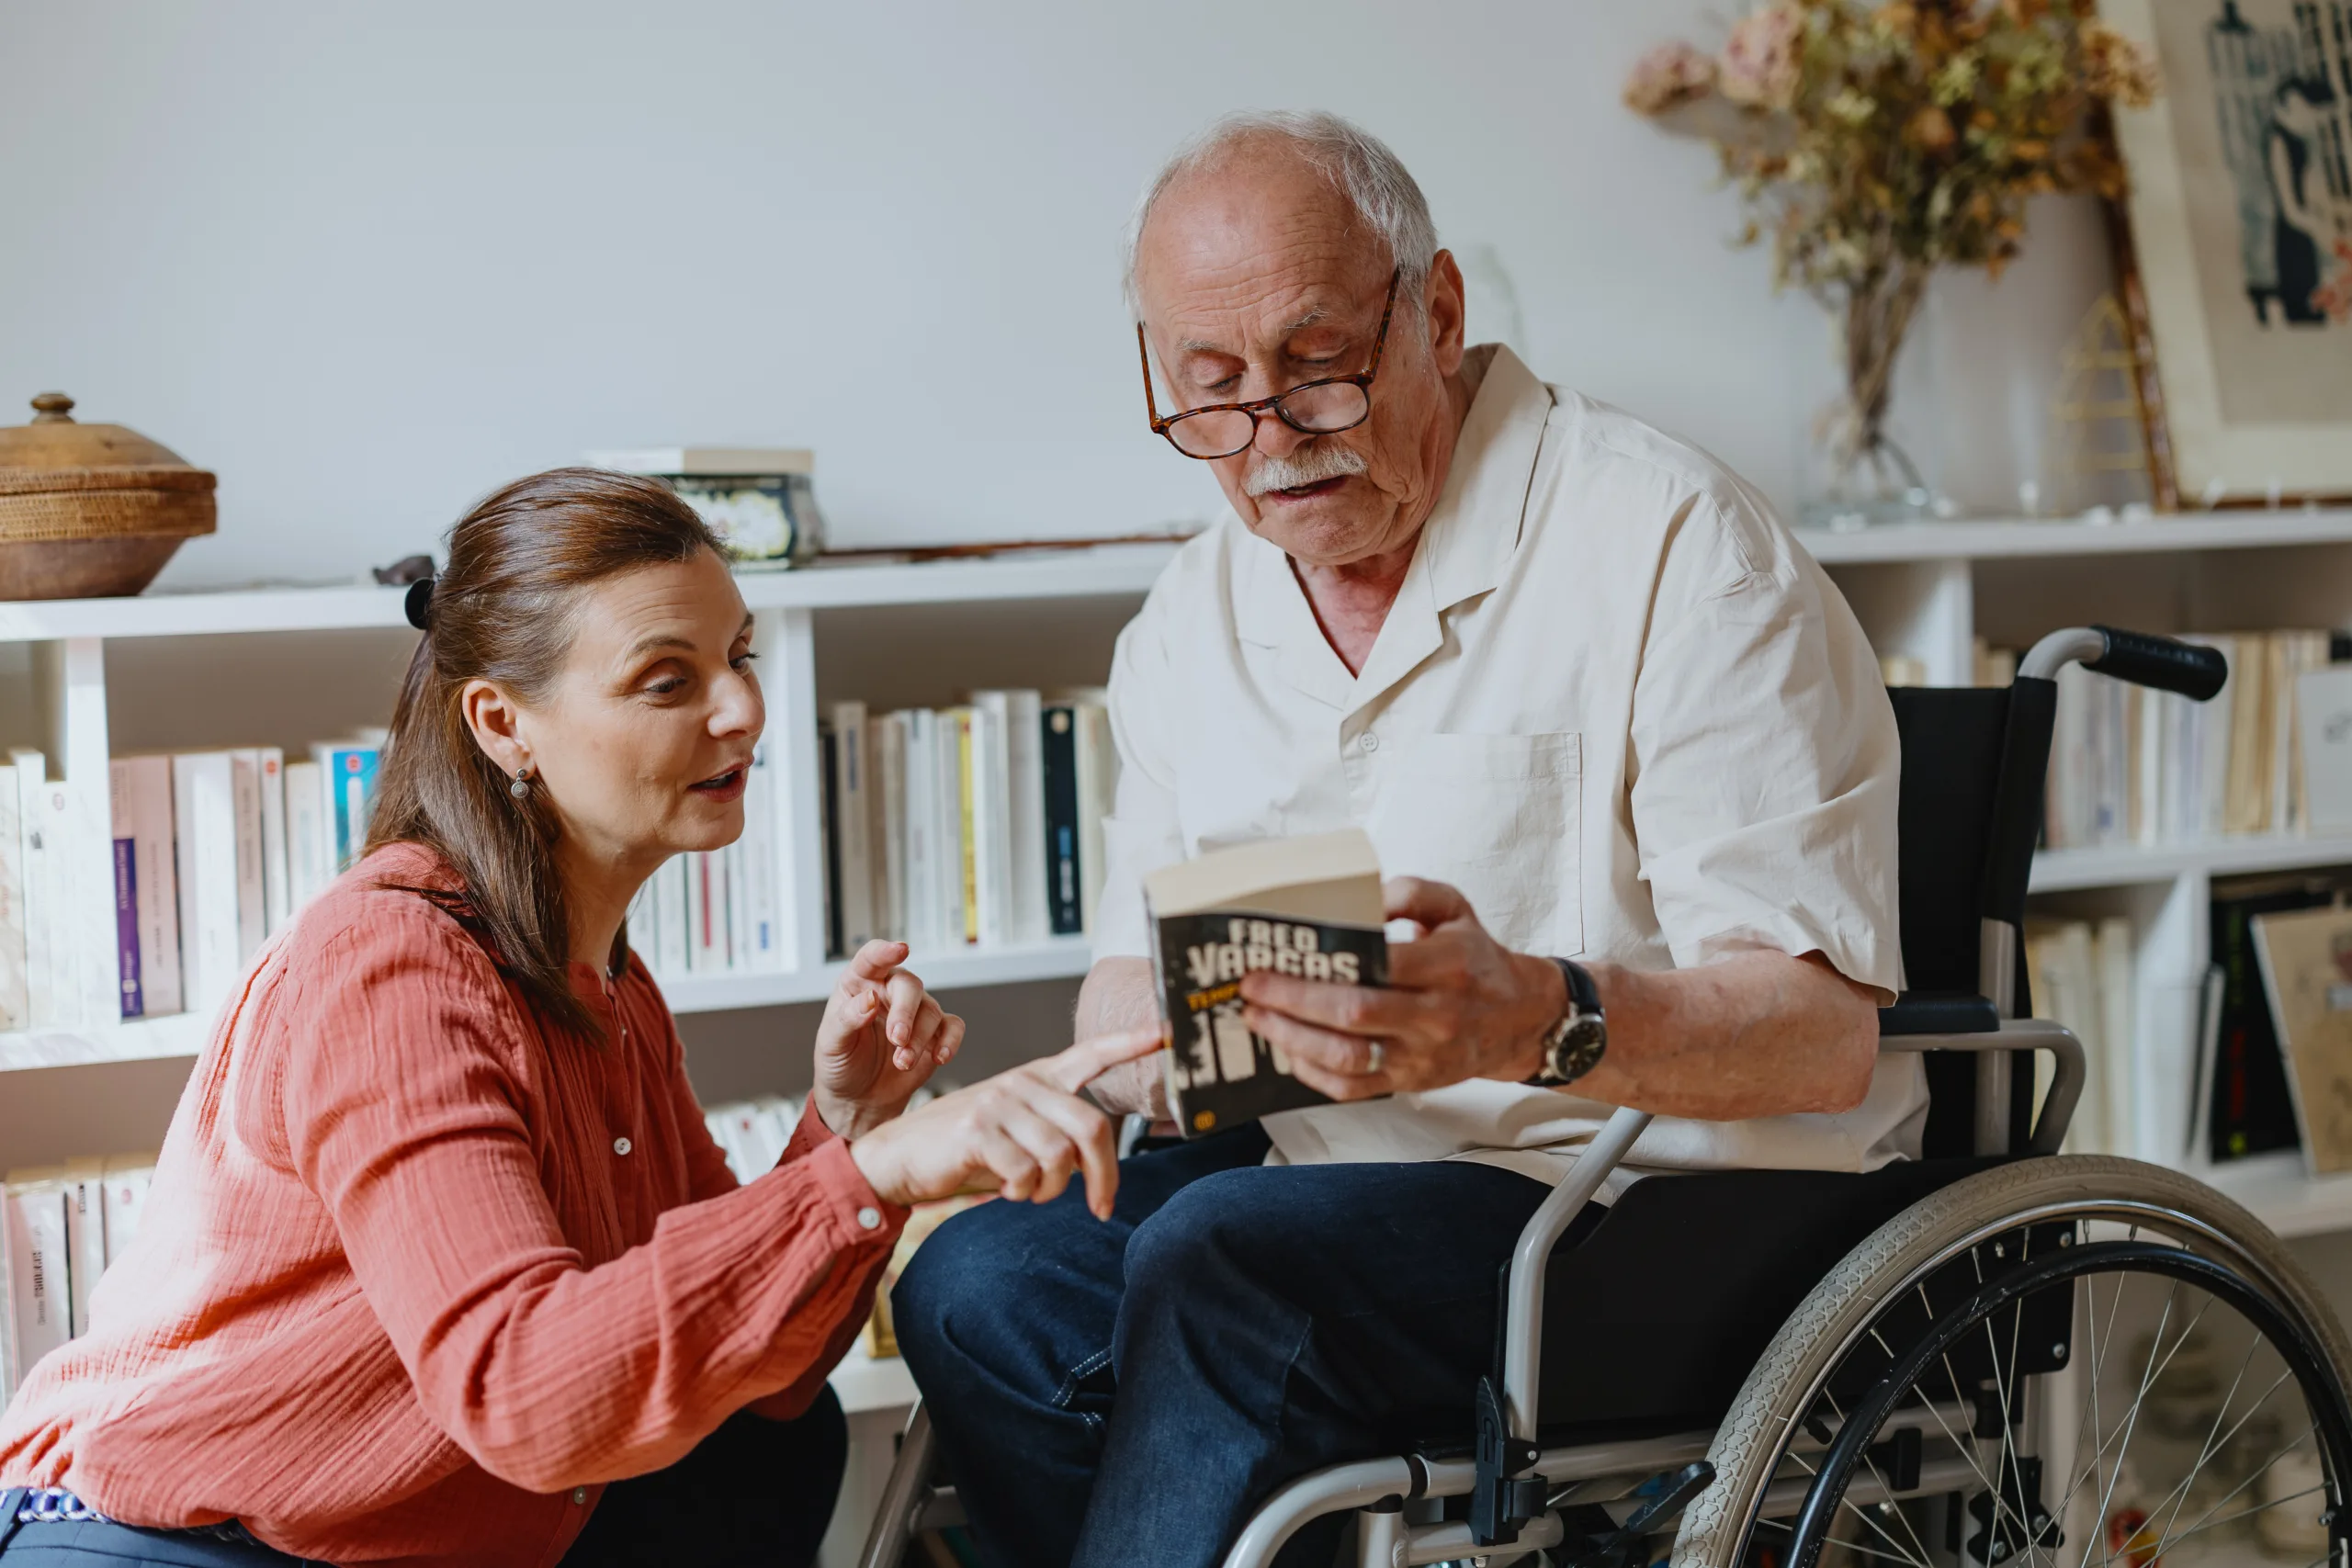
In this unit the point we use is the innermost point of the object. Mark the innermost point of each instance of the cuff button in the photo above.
(870, 1219)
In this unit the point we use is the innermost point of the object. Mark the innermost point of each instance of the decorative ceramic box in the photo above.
(90, 511)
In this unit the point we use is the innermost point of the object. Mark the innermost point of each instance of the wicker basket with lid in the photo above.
(91, 510)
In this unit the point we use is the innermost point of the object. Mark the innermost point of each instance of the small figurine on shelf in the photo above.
(761, 500)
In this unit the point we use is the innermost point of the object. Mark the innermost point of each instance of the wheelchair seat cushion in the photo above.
(1654, 1320)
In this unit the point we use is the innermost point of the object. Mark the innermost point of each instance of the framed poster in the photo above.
(2241, 222)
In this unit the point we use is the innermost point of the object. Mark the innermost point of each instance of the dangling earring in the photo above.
(521, 789)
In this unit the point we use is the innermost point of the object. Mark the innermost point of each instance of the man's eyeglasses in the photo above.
(1313, 408)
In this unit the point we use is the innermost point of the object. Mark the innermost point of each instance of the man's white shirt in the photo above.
(1615, 703)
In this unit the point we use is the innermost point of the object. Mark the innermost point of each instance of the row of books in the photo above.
(2081, 974)
(718, 912)
(979, 823)
(211, 853)
(2129, 765)
(61, 1228)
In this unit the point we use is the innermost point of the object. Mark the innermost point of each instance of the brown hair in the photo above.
(503, 611)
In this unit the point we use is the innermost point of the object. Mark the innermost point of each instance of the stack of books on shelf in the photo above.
(718, 912)
(211, 853)
(978, 825)
(752, 1133)
(61, 1228)
(2129, 765)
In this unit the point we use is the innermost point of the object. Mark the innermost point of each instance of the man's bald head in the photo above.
(1286, 152)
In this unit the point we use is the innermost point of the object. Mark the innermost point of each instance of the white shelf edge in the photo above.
(1997, 537)
(2119, 865)
(1103, 570)
(184, 1034)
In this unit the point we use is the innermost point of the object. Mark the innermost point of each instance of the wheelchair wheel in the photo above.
(2061, 1361)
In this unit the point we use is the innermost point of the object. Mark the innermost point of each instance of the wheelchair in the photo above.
(1994, 1355)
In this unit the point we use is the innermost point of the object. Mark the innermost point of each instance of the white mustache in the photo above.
(1312, 465)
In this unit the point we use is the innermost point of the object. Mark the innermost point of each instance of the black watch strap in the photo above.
(1583, 995)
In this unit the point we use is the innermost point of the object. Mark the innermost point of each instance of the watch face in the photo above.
(1580, 1048)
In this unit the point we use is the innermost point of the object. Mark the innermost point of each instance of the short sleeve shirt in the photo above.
(1615, 703)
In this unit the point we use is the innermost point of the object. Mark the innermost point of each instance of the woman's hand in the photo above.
(1026, 1129)
(881, 1037)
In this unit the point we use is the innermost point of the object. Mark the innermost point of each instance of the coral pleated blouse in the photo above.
(419, 1274)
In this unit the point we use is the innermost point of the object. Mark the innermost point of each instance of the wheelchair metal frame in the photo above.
(1379, 1491)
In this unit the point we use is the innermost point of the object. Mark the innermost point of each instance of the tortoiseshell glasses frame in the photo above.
(1312, 407)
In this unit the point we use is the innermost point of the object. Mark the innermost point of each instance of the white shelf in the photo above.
(2283, 1195)
(2119, 865)
(2009, 536)
(1106, 570)
(863, 1383)
(184, 1034)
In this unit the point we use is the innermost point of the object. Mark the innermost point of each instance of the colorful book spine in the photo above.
(1057, 757)
(142, 808)
(350, 770)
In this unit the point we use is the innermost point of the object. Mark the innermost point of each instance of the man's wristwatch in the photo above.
(1574, 1045)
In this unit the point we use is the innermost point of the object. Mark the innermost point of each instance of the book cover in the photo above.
(204, 814)
(15, 1006)
(308, 852)
(2252, 1107)
(2306, 961)
(350, 773)
(143, 815)
(1309, 907)
(276, 886)
(1057, 759)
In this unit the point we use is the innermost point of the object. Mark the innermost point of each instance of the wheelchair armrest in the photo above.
(1939, 1012)
(2019, 1034)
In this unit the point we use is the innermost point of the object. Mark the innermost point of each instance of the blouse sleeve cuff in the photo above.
(865, 1219)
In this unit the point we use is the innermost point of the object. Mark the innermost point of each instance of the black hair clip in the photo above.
(419, 603)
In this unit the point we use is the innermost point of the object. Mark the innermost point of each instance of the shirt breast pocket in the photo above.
(1499, 816)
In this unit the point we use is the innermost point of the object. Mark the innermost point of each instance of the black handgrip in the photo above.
(2147, 660)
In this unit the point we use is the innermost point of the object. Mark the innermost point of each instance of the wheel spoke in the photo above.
(2206, 1448)
(1872, 1465)
(2247, 1513)
(2232, 1432)
(2226, 1498)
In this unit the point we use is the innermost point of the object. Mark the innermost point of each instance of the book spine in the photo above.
(253, 903)
(829, 788)
(306, 855)
(85, 1237)
(853, 824)
(707, 894)
(1057, 758)
(40, 1270)
(1098, 776)
(888, 758)
(672, 926)
(991, 820)
(1026, 894)
(967, 757)
(205, 813)
(763, 921)
(278, 892)
(41, 896)
(738, 913)
(158, 915)
(126, 1181)
(126, 926)
(15, 1005)
(947, 853)
(922, 767)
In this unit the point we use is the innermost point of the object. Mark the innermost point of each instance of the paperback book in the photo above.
(1308, 907)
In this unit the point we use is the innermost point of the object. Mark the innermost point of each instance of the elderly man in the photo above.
(1625, 746)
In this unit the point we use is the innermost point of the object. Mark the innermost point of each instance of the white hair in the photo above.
(1358, 164)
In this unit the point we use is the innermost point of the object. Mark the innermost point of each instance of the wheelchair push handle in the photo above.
(2147, 660)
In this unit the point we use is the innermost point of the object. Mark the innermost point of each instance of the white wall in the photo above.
(368, 262)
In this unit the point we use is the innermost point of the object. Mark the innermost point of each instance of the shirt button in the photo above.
(1369, 741)
(579, 1494)
(622, 1145)
(870, 1219)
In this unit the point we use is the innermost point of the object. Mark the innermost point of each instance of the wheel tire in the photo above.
(1748, 1447)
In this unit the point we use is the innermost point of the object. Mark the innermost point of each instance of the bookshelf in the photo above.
(912, 634)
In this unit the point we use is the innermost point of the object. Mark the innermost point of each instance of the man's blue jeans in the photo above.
(1128, 1392)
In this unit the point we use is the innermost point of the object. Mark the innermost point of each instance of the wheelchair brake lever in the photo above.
(1664, 1496)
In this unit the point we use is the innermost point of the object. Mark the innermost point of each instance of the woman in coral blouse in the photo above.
(441, 1266)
